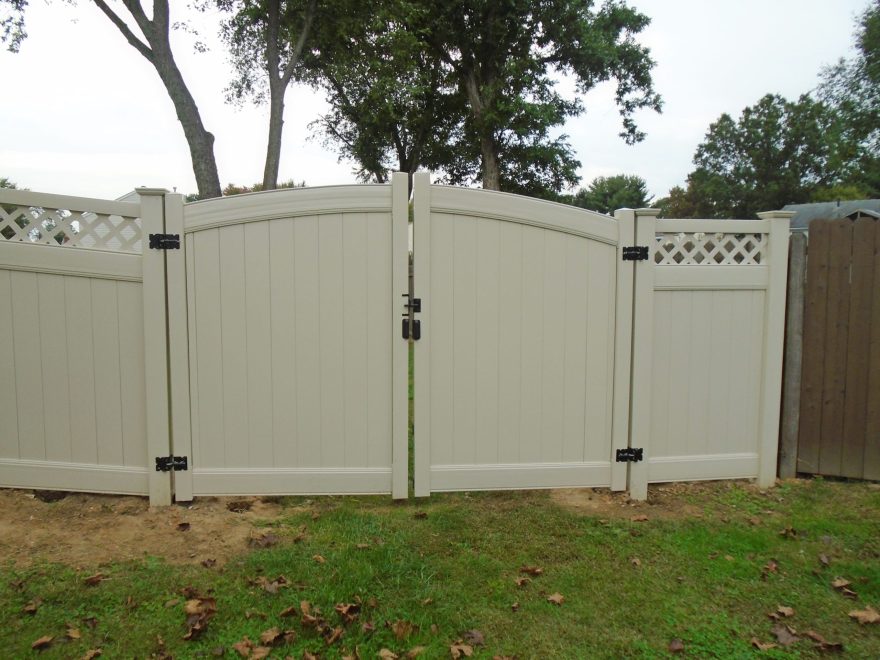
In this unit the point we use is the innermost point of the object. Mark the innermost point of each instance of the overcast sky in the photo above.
(84, 114)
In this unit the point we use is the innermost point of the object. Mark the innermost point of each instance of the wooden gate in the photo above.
(840, 384)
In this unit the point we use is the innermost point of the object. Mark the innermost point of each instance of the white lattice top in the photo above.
(82, 229)
(709, 249)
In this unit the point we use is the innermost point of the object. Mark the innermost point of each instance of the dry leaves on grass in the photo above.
(320, 559)
(785, 635)
(266, 540)
(534, 571)
(556, 598)
(401, 629)
(823, 644)
(239, 506)
(461, 650)
(271, 586)
(43, 642)
(763, 646)
(348, 612)
(770, 567)
(95, 580)
(73, 632)
(639, 518)
(91, 654)
(676, 646)
(866, 616)
(781, 612)
(474, 638)
(522, 581)
(32, 607)
(183, 527)
(842, 586)
(199, 612)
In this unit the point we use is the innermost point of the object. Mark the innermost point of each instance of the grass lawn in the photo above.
(706, 568)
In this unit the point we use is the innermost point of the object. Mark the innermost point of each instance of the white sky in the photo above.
(84, 114)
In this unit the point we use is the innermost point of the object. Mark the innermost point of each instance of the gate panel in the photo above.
(294, 340)
(515, 365)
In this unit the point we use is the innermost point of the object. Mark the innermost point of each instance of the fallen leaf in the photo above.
(172, 602)
(91, 654)
(199, 611)
(770, 567)
(676, 646)
(368, 627)
(522, 581)
(33, 606)
(260, 652)
(209, 563)
(556, 598)
(823, 644)
(420, 515)
(635, 561)
(840, 583)
(415, 652)
(785, 635)
(90, 622)
(271, 636)
(305, 607)
(763, 646)
(95, 579)
(254, 614)
(319, 559)
(824, 560)
(263, 540)
(781, 612)
(401, 629)
(272, 586)
(43, 642)
(639, 518)
(332, 636)
(460, 649)
(515, 606)
(474, 638)
(789, 533)
(72, 632)
(183, 527)
(363, 546)
(387, 654)
(531, 570)
(755, 521)
(288, 611)
(348, 611)
(309, 656)
(728, 557)
(239, 506)
(427, 601)
(244, 647)
(865, 616)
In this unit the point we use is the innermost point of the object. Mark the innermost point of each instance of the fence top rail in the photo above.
(69, 203)
(508, 207)
(674, 226)
(286, 203)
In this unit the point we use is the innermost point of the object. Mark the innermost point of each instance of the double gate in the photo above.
(256, 344)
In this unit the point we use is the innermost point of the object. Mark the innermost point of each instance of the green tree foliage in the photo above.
(607, 194)
(6, 183)
(778, 152)
(502, 57)
(12, 31)
(852, 88)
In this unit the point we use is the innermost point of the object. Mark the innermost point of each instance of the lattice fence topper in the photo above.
(82, 229)
(709, 249)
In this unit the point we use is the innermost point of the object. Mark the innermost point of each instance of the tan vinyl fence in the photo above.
(258, 344)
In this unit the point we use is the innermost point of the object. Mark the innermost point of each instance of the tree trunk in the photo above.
(273, 149)
(491, 172)
(200, 140)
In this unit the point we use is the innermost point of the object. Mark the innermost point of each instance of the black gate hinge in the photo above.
(171, 463)
(635, 253)
(630, 455)
(164, 241)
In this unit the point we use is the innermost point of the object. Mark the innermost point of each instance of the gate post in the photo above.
(422, 366)
(642, 352)
(155, 344)
(774, 335)
(400, 346)
(623, 328)
(178, 349)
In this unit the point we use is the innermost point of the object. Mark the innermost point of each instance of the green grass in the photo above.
(700, 579)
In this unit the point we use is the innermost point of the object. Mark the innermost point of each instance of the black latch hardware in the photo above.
(171, 463)
(629, 455)
(635, 253)
(416, 329)
(412, 329)
(164, 241)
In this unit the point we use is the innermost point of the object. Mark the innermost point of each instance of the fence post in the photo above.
(155, 344)
(774, 333)
(642, 352)
(422, 366)
(623, 323)
(178, 348)
(793, 358)
(400, 348)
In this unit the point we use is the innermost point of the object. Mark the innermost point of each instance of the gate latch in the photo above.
(171, 463)
(164, 241)
(635, 253)
(630, 455)
(411, 329)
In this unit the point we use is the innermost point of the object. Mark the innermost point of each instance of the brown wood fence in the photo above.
(839, 426)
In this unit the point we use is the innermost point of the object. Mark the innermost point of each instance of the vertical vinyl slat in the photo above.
(422, 374)
(354, 318)
(836, 329)
(510, 341)
(464, 337)
(380, 309)
(553, 349)
(662, 367)
(441, 329)
(702, 378)
(259, 347)
(574, 315)
(600, 330)
(815, 312)
(722, 361)
(332, 333)
(193, 349)
(28, 358)
(81, 366)
(532, 323)
(209, 409)
(858, 349)
(132, 369)
(8, 377)
(872, 422)
(308, 372)
(680, 303)
(56, 383)
(283, 340)
(233, 307)
(486, 323)
(108, 385)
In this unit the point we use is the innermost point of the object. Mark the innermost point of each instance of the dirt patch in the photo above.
(665, 501)
(87, 530)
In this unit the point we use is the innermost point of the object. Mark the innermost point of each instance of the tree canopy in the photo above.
(607, 194)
